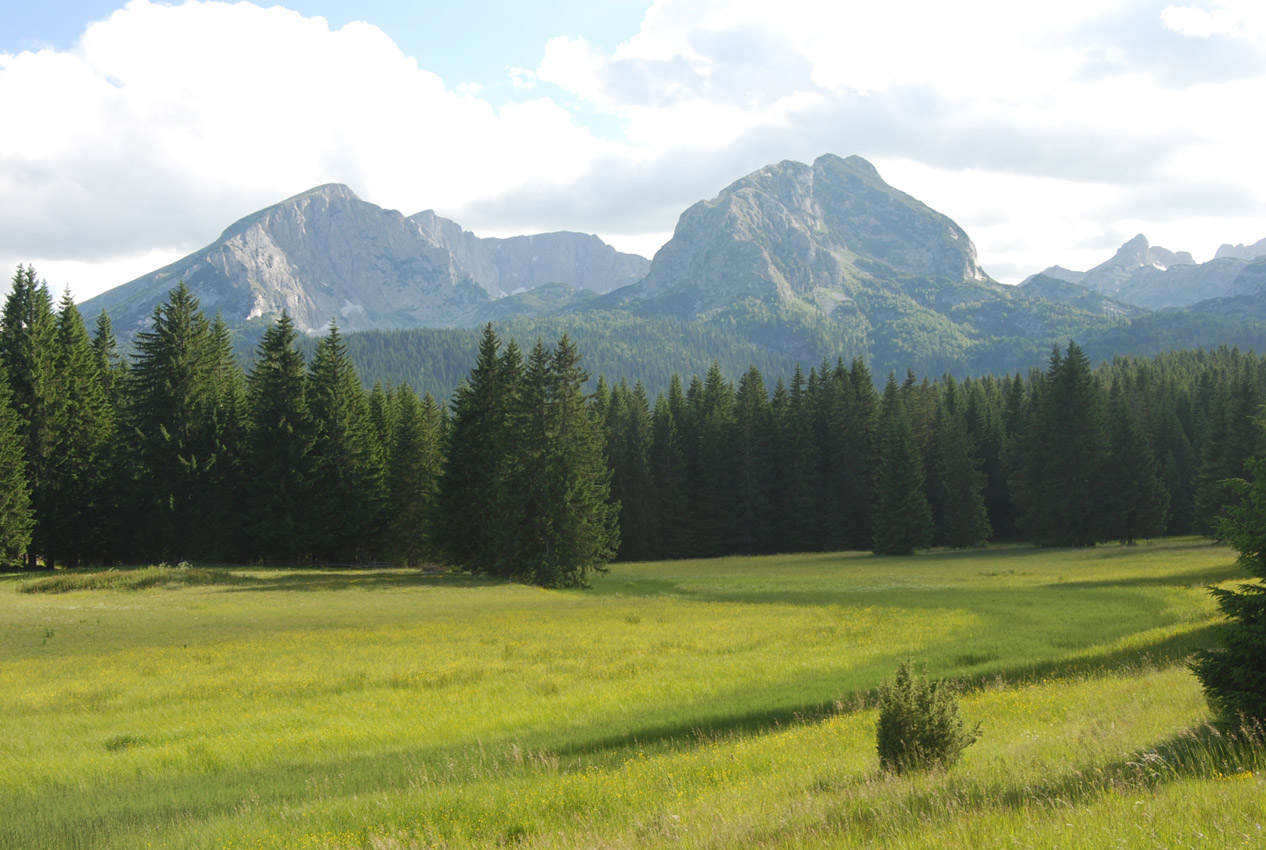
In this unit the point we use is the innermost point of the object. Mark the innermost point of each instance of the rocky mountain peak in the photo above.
(1241, 251)
(811, 233)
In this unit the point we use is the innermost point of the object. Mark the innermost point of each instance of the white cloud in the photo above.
(166, 123)
(1047, 130)
(1244, 19)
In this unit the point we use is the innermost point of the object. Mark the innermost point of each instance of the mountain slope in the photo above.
(793, 232)
(327, 254)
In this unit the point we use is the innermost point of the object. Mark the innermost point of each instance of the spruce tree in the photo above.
(73, 503)
(584, 529)
(1135, 498)
(1233, 675)
(413, 477)
(903, 518)
(1066, 454)
(280, 460)
(472, 489)
(753, 446)
(169, 397)
(347, 466)
(963, 519)
(16, 517)
(27, 351)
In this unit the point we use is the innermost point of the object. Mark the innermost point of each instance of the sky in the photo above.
(133, 134)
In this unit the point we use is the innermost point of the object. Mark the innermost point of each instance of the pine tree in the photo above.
(27, 331)
(584, 529)
(169, 397)
(753, 446)
(1134, 496)
(1233, 675)
(16, 517)
(347, 467)
(472, 490)
(668, 472)
(964, 521)
(903, 518)
(1066, 456)
(73, 502)
(629, 444)
(413, 477)
(280, 460)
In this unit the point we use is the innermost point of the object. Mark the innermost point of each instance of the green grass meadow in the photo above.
(712, 704)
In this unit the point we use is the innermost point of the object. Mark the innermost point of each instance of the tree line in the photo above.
(1066, 456)
(177, 452)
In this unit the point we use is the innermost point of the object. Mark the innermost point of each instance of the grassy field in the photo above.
(717, 704)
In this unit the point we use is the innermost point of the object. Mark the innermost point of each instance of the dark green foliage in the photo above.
(27, 351)
(919, 725)
(1066, 453)
(348, 478)
(568, 526)
(1135, 499)
(74, 502)
(963, 518)
(172, 414)
(280, 463)
(413, 476)
(1234, 675)
(472, 497)
(903, 518)
(16, 518)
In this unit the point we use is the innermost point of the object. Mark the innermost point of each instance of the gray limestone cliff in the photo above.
(325, 254)
(816, 233)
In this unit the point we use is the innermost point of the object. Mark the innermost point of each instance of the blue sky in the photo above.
(1052, 133)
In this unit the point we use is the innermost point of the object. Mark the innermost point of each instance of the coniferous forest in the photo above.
(176, 452)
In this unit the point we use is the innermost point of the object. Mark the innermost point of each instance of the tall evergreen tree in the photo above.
(73, 502)
(27, 331)
(413, 477)
(963, 519)
(753, 447)
(584, 530)
(16, 517)
(170, 392)
(1066, 456)
(472, 491)
(903, 518)
(348, 477)
(1135, 498)
(280, 460)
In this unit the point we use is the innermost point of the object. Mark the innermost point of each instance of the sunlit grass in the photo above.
(703, 704)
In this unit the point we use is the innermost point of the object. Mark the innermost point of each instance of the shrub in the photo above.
(919, 724)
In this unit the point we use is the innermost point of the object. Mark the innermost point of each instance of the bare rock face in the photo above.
(326, 254)
(815, 233)
(1155, 278)
(1242, 252)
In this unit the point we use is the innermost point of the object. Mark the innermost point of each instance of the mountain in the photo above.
(819, 234)
(1063, 291)
(327, 254)
(1242, 252)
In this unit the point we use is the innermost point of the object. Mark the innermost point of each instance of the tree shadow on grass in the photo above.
(704, 727)
(1192, 578)
(308, 580)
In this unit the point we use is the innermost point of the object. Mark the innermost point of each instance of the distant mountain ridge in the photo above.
(1154, 278)
(793, 263)
(327, 254)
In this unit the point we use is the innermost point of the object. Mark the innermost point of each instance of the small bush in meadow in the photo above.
(919, 724)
